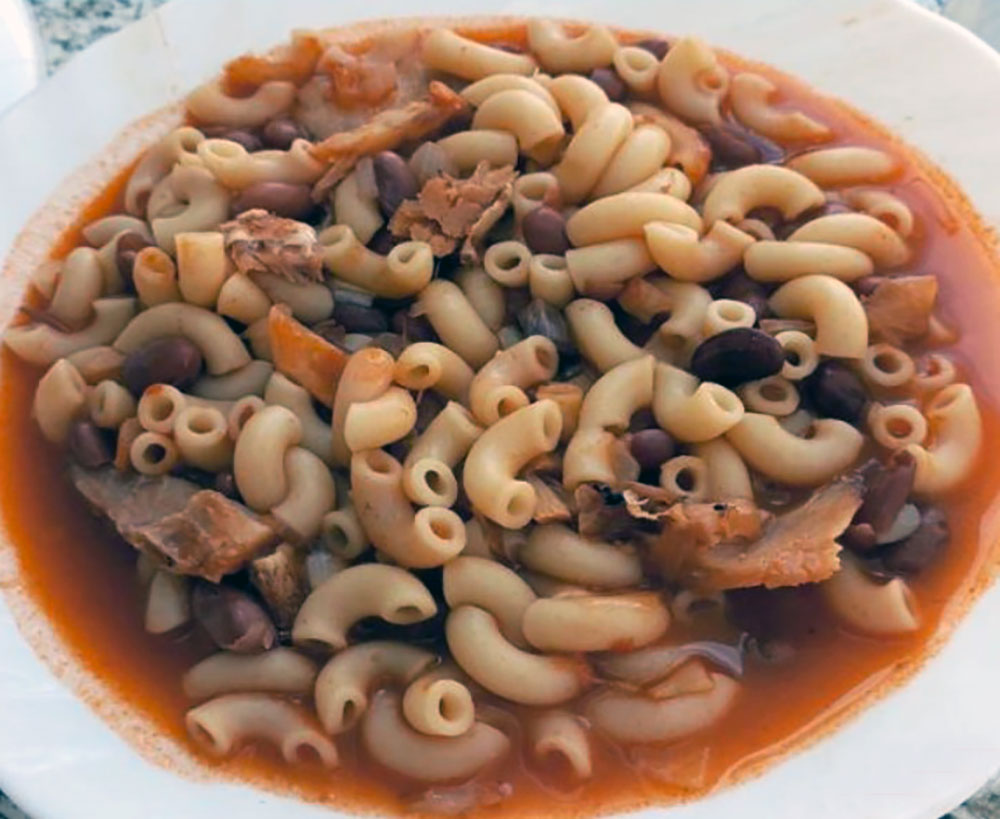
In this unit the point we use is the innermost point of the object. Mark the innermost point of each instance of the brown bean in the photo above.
(280, 133)
(544, 231)
(655, 46)
(921, 548)
(225, 484)
(859, 537)
(733, 147)
(394, 180)
(736, 356)
(247, 139)
(173, 360)
(412, 328)
(740, 287)
(280, 198)
(89, 445)
(887, 488)
(651, 448)
(355, 318)
(539, 318)
(125, 251)
(383, 241)
(836, 392)
(232, 619)
(609, 82)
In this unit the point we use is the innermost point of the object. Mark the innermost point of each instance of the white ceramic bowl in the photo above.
(916, 753)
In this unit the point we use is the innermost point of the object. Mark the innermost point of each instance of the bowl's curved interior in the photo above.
(915, 754)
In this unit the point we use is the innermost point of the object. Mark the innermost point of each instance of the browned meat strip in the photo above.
(258, 242)
(899, 308)
(280, 578)
(187, 529)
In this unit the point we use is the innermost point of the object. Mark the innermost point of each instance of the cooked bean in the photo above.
(732, 147)
(610, 83)
(395, 181)
(736, 356)
(280, 198)
(539, 318)
(921, 548)
(281, 133)
(651, 447)
(232, 619)
(886, 489)
(740, 287)
(836, 392)
(125, 251)
(544, 231)
(860, 537)
(170, 360)
(357, 319)
(392, 343)
(383, 241)
(89, 445)
(655, 46)
(412, 328)
(247, 139)
(225, 483)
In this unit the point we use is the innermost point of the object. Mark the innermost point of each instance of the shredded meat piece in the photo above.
(294, 62)
(385, 131)
(604, 514)
(448, 209)
(552, 505)
(899, 308)
(259, 242)
(719, 546)
(303, 356)
(280, 577)
(359, 81)
(186, 529)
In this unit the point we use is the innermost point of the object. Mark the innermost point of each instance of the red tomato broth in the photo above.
(82, 575)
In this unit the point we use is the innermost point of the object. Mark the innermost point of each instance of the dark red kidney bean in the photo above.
(515, 300)
(836, 392)
(173, 360)
(655, 46)
(383, 241)
(280, 198)
(740, 287)
(539, 318)
(733, 147)
(651, 447)
(642, 419)
(392, 343)
(232, 619)
(225, 484)
(736, 356)
(330, 330)
(280, 133)
(355, 318)
(921, 548)
(859, 537)
(412, 328)
(783, 229)
(248, 140)
(887, 488)
(544, 231)
(394, 180)
(89, 445)
(125, 251)
(609, 82)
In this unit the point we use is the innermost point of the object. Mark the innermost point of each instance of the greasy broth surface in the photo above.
(82, 575)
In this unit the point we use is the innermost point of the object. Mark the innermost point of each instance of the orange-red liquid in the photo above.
(82, 575)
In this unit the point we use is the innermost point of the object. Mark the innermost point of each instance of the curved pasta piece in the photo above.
(689, 150)
(478, 92)
(727, 314)
(367, 374)
(557, 551)
(560, 734)
(491, 467)
(497, 389)
(600, 270)
(578, 97)
(957, 429)
(222, 724)
(367, 590)
(80, 283)
(866, 605)
(280, 670)
(671, 181)
(609, 622)
(405, 270)
(428, 476)
(220, 346)
(735, 193)
(635, 718)
(447, 51)
(248, 380)
(43, 345)
(202, 438)
(626, 214)
(845, 166)
(156, 163)
(752, 97)
(236, 168)
(380, 421)
(259, 458)
(591, 149)
(640, 156)
(343, 686)
(481, 582)
(692, 82)
(881, 243)
(316, 433)
(311, 494)
(841, 322)
(771, 261)
(396, 746)
(597, 336)
(683, 255)
(483, 653)
(538, 130)
(61, 397)
(438, 705)
(767, 447)
(560, 53)
(458, 324)
(884, 206)
(189, 199)
(210, 103)
(693, 411)
(638, 69)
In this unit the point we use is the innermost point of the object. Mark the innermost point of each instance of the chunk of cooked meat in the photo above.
(232, 618)
(259, 242)
(899, 308)
(552, 505)
(720, 546)
(448, 210)
(294, 62)
(280, 577)
(385, 131)
(359, 80)
(186, 529)
(605, 514)
(304, 356)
